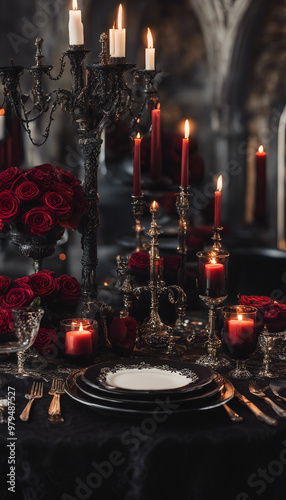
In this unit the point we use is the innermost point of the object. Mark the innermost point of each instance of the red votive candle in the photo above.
(78, 342)
(260, 204)
(156, 152)
(137, 166)
(185, 156)
(240, 330)
(214, 275)
(217, 214)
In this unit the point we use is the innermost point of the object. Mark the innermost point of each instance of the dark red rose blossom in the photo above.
(5, 282)
(40, 178)
(27, 191)
(40, 220)
(9, 206)
(5, 321)
(22, 282)
(70, 289)
(123, 333)
(17, 297)
(66, 176)
(64, 189)
(43, 284)
(275, 318)
(8, 176)
(262, 303)
(57, 203)
(46, 168)
(45, 340)
(139, 262)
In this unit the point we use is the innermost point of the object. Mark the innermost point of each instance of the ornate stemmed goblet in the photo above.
(239, 336)
(26, 327)
(212, 288)
(266, 343)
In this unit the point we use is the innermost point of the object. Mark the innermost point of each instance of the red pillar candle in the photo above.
(137, 166)
(185, 156)
(214, 276)
(78, 342)
(217, 214)
(156, 153)
(240, 330)
(260, 205)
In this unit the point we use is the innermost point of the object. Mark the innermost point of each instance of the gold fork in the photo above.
(56, 416)
(52, 392)
(36, 393)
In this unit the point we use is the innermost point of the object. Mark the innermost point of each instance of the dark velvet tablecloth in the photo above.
(200, 457)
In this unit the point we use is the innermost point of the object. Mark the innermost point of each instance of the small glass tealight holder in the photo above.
(81, 339)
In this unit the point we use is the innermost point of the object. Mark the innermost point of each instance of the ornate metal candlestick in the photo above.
(217, 238)
(183, 205)
(137, 208)
(98, 94)
(153, 331)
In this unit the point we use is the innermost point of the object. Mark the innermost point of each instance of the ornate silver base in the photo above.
(156, 334)
(212, 361)
(240, 371)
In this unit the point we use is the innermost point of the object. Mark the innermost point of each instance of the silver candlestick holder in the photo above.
(153, 331)
(182, 205)
(137, 208)
(216, 237)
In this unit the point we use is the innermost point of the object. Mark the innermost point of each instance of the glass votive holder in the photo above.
(81, 338)
(213, 276)
(239, 336)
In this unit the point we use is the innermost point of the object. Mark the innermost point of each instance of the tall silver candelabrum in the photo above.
(153, 331)
(137, 208)
(182, 205)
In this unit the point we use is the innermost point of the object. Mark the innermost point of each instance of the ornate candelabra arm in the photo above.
(182, 205)
(137, 208)
(217, 238)
(77, 55)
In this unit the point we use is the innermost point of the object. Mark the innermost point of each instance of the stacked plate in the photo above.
(146, 386)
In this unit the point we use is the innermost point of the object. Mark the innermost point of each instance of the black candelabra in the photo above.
(99, 93)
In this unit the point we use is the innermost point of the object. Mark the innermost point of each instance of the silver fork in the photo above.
(56, 416)
(254, 389)
(36, 393)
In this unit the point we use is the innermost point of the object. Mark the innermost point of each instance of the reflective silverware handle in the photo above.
(232, 414)
(26, 412)
(280, 411)
(258, 413)
(54, 406)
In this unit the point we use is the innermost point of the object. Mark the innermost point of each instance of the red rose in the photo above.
(41, 179)
(43, 284)
(45, 340)
(262, 303)
(27, 191)
(57, 203)
(17, 297)
(139, 265)
(65, 176)
(5, 321)
(123, 333)
(70, 289)
(275, 319)
(40, 220)
(5, 282)
(64, 189)
(9, 206)
(22, 282)
(8, 176)
(46, 168)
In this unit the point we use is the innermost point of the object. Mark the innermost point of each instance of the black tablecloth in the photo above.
(200, 457)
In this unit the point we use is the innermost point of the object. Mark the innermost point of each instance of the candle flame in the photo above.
(149, 39)
(119, 17)
(2, 112)
(260, 149)
(113, 27)
(158, 106)
(213, 261)
(154, 206)
(80, 327)
(219, 183)
(239, 317)
(74, 4)
(138, 136)
(187, 129)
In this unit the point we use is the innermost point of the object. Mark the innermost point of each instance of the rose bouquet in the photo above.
(59, 297)
(39, 199)
(262, 303)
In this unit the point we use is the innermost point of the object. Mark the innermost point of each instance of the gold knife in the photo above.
(258, 413)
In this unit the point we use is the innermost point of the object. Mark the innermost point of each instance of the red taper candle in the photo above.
(217, 215)
(185, 156)
(260, 203)
(156, 152)
(137, 166)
